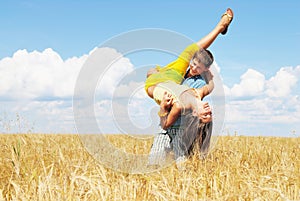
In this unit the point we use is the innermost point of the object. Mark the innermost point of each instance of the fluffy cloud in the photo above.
(252, 84)
(133, 89)
(130, 110)
(41, 85)
(267, 104)
(30, 75)
(281, 84)
(44, 75)
(113, 74)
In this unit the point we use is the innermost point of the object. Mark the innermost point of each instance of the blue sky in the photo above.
(263, 43)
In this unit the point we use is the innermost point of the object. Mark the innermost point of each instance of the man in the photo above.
(177, 136)
(174, 137)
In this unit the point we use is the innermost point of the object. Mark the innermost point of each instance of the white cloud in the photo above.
(113, 73)
(133, 90)
(281, 84)
(130, 110)
(265, 104)
(29, 78)
(252, 84)
(29, 75)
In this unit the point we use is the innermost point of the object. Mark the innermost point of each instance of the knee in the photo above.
(151, 71)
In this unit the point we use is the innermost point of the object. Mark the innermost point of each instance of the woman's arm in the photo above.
(168, 118)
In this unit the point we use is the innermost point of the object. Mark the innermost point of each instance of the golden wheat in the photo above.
(57, 167)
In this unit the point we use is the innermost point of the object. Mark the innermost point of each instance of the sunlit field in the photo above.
(57, 167)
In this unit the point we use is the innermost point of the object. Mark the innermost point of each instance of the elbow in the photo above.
(210, 87)
(151, 71)
(165, 126)
(171, 118)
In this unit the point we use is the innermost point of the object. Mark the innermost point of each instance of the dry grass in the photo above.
(57, 167)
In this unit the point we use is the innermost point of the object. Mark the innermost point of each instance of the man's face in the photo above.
(203, 111)
(197, 68)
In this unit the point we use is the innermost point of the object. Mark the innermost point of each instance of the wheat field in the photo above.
(57, 167)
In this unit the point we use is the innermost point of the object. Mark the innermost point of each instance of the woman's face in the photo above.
(197, 68)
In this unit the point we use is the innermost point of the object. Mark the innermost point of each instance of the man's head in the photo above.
(201, 62)
(202, 111)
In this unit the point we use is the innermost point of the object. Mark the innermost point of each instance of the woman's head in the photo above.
(201, 62)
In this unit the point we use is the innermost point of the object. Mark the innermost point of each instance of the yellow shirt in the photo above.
(175, 70)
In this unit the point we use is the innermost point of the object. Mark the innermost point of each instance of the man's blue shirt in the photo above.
(194, 82)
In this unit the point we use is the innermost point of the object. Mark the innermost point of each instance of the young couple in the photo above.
(179, 89)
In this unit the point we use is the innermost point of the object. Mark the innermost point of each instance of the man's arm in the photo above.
(169, 111)
(206, 89)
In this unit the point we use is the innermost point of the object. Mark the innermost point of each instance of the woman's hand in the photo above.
(166, 102)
